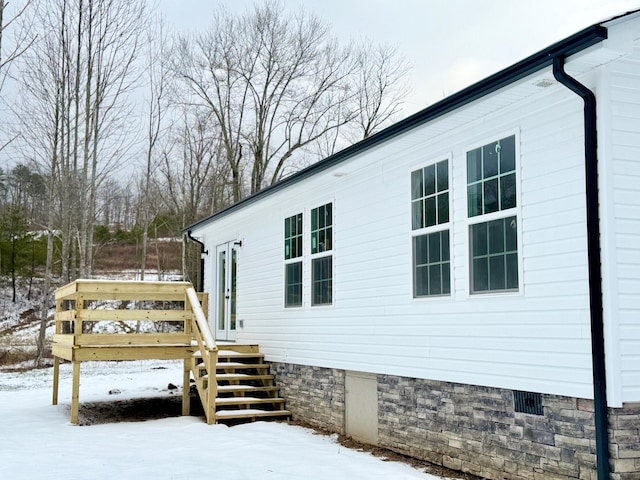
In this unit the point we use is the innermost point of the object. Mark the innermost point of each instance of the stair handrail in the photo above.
(208, 352)
(200, 319)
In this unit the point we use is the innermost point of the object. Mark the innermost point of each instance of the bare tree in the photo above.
(74, 105)
(42, 94)
(116, 203)
(115, 28)
(381, 75)
(379, 82)
(21, 41)
(10, 22)
(190, 167)
(156, 110)
(274, 81)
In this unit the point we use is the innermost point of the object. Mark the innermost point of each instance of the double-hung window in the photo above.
(321, 255)
(293, 261)
(491, 209)
(430, 227)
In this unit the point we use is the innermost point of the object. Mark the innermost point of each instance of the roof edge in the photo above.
(544, 58)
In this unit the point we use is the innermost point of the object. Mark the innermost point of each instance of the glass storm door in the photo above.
(225, 302)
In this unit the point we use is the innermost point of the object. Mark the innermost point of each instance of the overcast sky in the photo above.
(451, 43)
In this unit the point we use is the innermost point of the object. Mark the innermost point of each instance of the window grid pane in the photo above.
(431, 264)
(293, 284)
(293, 236)
(494, 255)
(430, 195)
(322, 280)
(491, 180)
(321, 229)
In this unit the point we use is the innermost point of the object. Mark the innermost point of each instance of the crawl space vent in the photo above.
(527, 402)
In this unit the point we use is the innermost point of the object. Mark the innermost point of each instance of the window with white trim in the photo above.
(491, 209)
(293, 234)
(321, 255)
(430, 230)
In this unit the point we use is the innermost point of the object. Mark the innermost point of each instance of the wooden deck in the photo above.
(121, 320)
(103, 320)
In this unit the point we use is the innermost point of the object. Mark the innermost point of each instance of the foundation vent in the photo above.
(527, 402)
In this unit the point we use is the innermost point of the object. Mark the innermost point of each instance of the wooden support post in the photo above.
(56, 374)
(75, 392)
(212, 386)
(186, 384)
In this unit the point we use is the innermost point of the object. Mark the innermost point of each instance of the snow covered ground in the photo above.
(38, 442)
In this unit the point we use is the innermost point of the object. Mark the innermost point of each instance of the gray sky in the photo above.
(451, 43)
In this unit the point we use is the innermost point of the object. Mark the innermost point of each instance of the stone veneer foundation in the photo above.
(313, 394)
(471, 428)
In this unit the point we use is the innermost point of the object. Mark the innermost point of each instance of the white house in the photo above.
(462, 286)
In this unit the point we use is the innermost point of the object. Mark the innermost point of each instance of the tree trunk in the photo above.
(143, 260)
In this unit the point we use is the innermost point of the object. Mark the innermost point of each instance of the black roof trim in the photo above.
(569, 46)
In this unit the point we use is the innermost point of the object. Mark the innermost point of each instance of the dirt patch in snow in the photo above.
(166, 405)
(130, 410)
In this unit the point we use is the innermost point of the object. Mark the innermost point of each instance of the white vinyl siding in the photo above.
(625, 196)
(535, 341)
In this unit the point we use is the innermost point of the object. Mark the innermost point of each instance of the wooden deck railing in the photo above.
(126, 320)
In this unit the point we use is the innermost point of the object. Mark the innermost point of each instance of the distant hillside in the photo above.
(165, 255)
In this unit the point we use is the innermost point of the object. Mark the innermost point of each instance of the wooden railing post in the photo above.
(187, 323)
(79, 306)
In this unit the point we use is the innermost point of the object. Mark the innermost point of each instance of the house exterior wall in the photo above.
(536, 339)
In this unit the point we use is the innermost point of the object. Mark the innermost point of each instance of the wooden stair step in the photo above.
(238, 374)
(242, 376)
(247, 400)
(203, 382)
(250, 413)
(238, 366)
(229, 365)
(246, 388)
(231, 354)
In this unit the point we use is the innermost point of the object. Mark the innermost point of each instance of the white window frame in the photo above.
(432, 229)
(318, 255)
(500, 214)
(288, 261)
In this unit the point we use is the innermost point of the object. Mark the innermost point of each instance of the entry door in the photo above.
(225, 304)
